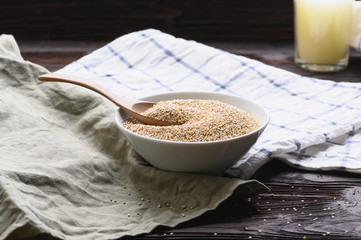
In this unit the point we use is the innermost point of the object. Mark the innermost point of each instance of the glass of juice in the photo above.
(322, 29)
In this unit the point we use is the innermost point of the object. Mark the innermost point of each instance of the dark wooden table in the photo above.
(302, 205)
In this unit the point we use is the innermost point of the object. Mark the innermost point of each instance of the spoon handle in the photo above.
(122, 102)
(134, 108)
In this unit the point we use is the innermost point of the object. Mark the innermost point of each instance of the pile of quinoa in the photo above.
(198, 121)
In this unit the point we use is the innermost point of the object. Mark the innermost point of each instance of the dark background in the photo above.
(201, 20)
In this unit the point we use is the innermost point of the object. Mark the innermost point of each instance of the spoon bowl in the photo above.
(134, 108)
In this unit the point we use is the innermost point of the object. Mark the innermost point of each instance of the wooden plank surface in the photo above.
(302, 205)
(56, 54)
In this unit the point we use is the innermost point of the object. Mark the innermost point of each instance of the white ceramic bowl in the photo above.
(197, 157)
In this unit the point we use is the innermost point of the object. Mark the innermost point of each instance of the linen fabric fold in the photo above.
(66, 171)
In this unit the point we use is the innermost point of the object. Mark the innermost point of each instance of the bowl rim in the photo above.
(259, 129)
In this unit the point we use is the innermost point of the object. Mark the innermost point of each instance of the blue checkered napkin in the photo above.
(315, 124)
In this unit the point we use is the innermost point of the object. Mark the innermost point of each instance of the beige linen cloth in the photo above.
(66, 171)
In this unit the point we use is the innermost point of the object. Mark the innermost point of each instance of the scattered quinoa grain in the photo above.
(199, 121)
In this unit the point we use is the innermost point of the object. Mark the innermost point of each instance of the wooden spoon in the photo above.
(132, 107)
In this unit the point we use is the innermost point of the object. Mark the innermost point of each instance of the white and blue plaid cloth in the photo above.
(315, 124)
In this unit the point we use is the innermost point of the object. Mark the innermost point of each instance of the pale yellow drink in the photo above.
(322, 31)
